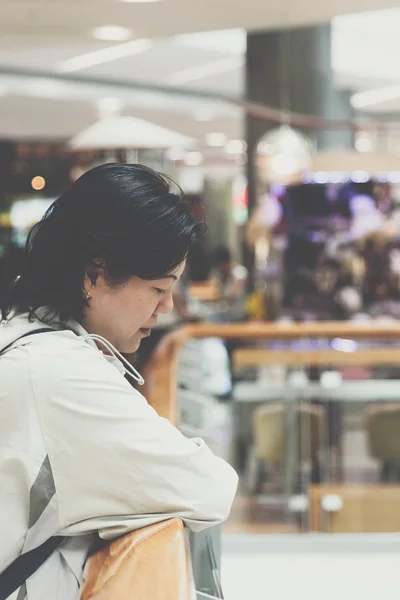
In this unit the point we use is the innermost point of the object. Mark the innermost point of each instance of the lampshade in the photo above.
(128, 132)
(283, 155)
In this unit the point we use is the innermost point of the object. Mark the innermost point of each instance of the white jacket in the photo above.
(81, 451)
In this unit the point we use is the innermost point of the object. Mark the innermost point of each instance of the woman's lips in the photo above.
(146, 331)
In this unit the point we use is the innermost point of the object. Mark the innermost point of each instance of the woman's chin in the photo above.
(131, 346)
(135, 347)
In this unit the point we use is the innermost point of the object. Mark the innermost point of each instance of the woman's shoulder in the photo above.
(41, 361)
(46, 349)
(49, 344)
(64, 349)
(61, 364)
(62, 360)
(73, 379)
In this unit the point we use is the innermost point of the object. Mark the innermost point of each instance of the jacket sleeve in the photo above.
(116, 464)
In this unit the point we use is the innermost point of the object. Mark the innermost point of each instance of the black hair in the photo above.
(127, 215)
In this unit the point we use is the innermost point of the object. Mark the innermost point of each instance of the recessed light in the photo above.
(235, 147)
(112, 33)
(194, 159)
(204, 114)
(175, 154)
(109, 106)
(38, 182)
(215, 139)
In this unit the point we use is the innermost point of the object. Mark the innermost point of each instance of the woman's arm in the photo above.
(116, 464)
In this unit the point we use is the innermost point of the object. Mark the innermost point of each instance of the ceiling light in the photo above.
(337, 177)
(139, 1)
(321, 177)
(235, 147)
(204, 114)
(363, 143)
(394, 177)
(109, 106)
(360, 176)
(284, 165)
(194, 159)
(285, 140)
(38, 182)
(215, 140)
(99, 57)
(174, 154)
(112, 33)
(289, 156)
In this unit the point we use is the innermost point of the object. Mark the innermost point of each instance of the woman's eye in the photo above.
(160, 292)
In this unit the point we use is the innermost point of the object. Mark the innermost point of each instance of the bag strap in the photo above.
(41, 330)
(26, 564)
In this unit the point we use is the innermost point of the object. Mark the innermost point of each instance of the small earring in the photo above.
(86, 295)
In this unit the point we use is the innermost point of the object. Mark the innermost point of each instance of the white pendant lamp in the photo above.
(283, 155)
(128, 132)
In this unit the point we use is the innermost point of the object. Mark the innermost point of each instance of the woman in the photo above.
(81, 451)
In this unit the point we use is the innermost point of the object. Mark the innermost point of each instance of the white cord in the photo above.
(130, 370)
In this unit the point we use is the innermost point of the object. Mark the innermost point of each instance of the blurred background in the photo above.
(282, 121)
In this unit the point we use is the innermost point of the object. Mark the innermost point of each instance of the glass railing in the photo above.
(309, 415)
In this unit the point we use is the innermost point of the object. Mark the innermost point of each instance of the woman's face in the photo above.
(124, 315)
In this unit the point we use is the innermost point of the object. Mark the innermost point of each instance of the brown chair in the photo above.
(383, 437)
(269, 437)
(152, 563)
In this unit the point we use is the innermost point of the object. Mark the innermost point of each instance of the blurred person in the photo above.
(383, 282)
(81, 452)
(231, 280)
(366, 218)
(384, 198)
(375, 252)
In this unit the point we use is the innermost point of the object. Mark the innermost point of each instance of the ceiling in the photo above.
(70, 20)
(56, 36)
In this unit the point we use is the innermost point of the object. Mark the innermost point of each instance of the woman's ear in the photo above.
(94, 275)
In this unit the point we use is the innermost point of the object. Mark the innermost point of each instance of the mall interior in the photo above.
(282, 122)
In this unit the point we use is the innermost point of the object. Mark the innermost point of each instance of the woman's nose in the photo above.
(167, 304)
